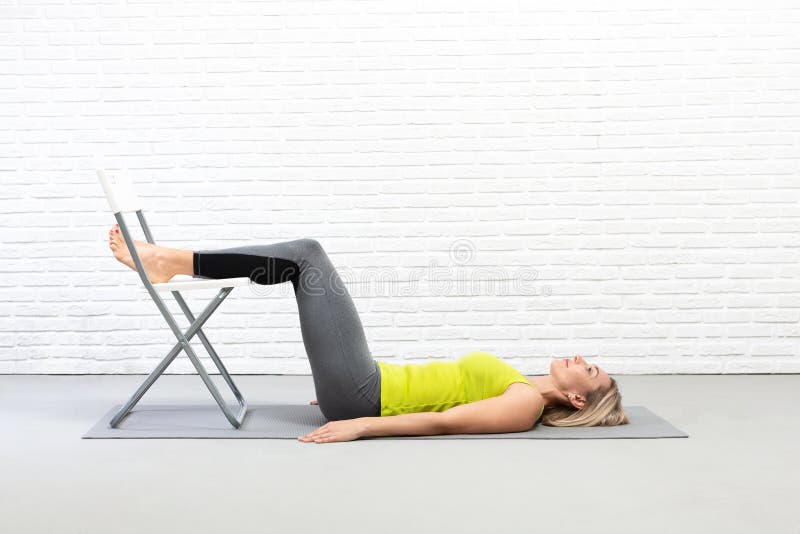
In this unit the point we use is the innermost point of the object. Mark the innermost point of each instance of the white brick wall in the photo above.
(643, 161)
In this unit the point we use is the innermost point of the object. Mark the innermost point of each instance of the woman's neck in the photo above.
(548, 390)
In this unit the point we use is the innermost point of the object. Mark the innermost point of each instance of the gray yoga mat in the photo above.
(289, 421)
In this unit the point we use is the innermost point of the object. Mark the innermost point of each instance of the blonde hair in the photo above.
(602, 408)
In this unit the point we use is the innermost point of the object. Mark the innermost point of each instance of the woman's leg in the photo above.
(346, 377)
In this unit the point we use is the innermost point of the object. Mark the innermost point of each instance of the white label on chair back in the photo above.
(120, 194)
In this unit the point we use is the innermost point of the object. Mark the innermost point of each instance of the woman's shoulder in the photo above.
(534, 400)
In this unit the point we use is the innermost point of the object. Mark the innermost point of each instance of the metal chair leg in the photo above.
(183, 344)
(210, 350)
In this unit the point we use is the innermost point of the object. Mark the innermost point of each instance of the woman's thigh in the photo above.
(346, 377)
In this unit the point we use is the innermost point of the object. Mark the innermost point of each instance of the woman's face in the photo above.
(576, 375)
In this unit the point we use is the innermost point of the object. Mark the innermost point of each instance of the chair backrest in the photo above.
(119, 192)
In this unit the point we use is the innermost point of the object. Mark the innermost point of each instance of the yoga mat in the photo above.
(289, 421)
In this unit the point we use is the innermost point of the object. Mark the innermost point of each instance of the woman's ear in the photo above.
(578, 401)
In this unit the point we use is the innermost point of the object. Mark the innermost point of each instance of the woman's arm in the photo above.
(515, 410)
(407, 424)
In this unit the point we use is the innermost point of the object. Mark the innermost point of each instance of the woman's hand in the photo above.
(345, 430)
(314, 402)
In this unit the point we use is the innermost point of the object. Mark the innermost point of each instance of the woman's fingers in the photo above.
(345, 430)
(314, 438)
(316, 433)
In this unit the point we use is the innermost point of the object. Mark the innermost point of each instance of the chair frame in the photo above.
(183, 338)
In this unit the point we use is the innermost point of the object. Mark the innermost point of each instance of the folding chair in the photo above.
(122, 199)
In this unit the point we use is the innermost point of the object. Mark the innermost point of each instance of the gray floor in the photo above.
(737, 472)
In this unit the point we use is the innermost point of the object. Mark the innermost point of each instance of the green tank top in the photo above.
(437, 386)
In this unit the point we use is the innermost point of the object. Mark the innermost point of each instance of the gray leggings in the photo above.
(346, 378)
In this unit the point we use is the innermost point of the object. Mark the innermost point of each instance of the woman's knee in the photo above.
(309, 246)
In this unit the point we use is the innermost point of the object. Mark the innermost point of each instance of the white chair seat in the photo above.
(179, 283)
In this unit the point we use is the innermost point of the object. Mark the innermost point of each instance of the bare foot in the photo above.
(152, 256)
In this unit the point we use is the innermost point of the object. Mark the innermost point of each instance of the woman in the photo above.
(363, 397)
